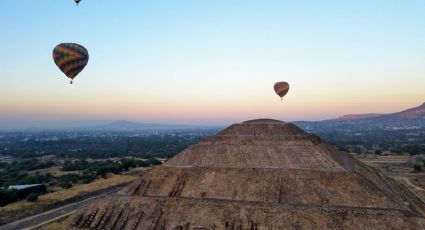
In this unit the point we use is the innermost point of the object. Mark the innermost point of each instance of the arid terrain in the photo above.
(260, 174)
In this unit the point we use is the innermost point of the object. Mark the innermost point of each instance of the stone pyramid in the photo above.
(259, 174)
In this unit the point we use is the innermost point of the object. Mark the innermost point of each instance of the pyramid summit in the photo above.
(259, 174)
(262, 143)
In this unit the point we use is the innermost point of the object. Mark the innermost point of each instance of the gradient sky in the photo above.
(210, 61)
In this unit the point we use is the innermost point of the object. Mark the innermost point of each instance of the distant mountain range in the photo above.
(413, 113)
(124, 125)
(413, 118)
(119, 125)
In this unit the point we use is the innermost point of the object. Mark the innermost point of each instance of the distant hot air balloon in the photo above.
(71, 58)
(77, 1)
(281, 88)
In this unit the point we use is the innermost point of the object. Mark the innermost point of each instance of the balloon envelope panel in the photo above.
(281, 88)
(71, 58)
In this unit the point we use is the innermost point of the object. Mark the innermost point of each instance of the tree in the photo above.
(153, 161)
(65, 184)
(417, 168)
(8, 196)
(103, 171)
(32, 197)
(378, 152)
(87, 178)
(343, 149)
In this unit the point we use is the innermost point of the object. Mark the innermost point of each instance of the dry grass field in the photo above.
(418, 184)
(64, 194)
(400, 168)
(52, 226)
(55, 171)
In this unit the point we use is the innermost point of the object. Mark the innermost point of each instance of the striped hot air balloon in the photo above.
(71, 58)
(281, 88)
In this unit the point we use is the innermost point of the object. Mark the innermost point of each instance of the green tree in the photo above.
(8, 196)
(32, 197)
(153, 161)
(65, 184)
(417, 168)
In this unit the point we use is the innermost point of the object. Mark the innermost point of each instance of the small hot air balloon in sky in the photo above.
(281, 88)
(71, 58)
(77, 1)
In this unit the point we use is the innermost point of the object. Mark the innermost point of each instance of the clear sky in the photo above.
(210, 61)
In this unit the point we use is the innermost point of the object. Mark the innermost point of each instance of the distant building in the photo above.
(26, 189)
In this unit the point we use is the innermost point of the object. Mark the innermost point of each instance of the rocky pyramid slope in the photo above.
(260, 174)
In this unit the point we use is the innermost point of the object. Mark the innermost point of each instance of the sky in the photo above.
(210, 61)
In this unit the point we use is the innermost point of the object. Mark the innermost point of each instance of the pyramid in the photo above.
(259, 174)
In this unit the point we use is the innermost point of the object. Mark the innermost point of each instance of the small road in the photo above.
(396, 174)
(38, 220)
(386, 161)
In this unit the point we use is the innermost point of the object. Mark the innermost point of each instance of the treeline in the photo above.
(396, 141)
(419, 165)
(85, 172)
(99, 146)
(412, 149)
(101, 168)
(26, 165)
(8, 196)
(17, 172)
(415, 149)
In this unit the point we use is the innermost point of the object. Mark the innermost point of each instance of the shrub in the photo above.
(65, 184)
(153, 161)
(32, 197)
(8, 196)
(417, 168)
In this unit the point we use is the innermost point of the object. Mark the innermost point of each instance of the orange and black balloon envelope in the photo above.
(71, 58)
(77, 1)
(281, 88)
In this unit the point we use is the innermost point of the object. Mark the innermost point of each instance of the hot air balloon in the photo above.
(77, 1)
(71, 58)
(281, 88)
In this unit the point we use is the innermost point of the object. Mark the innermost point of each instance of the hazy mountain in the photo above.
(413, 113)
(413, 118)
(124, 125)
(358, 116)
(118, 125)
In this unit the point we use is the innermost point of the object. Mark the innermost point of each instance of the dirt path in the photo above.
(408, 182)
